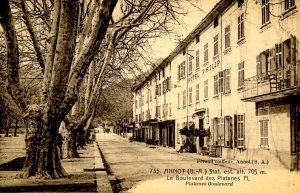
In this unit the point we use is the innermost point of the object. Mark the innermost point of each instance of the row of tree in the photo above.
(62, 55)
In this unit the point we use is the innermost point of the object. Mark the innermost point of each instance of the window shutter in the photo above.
(293, 50)
(258, 65)
(164, 86)
(235, 130)
(221, 81)
(272, 60)
(230, 133)
(183, 69)
(244, 129)
(221, 131)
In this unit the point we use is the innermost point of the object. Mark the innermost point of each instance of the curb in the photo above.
(103, 183)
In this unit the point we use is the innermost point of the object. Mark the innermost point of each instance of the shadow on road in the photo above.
(13, 165)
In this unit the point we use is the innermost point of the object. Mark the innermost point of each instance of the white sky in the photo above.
(163, 46)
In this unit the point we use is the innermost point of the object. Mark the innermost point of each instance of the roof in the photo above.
(206, 21)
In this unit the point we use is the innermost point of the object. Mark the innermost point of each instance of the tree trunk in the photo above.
(87, 129)
(71, 139)
(42, 158)
(71, 145)
(16, 127)
(6, 131)
(80, 139)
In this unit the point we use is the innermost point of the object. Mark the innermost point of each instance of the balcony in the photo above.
(273, 84)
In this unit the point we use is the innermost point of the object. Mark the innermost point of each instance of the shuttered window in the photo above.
(190, 95)
(216, 45)
(241, 33)
(227, 80)
(197, 93)
(239, 130)
(288, 4)
(206, 89)
(216, 85)
(241, 75)
(227, 36)
(205, 53)
(264, 133)
(197, 59)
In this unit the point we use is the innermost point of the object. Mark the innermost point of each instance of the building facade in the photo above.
(237, 76)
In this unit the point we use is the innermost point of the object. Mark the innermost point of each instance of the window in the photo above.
(163, 72)
(178, 100)
(239, 130)
(165, 110)
(184, 98)
(216, 130)
(136, 118)
(227, 80)
(150, 95)
(216, 85)
(164, 83)
(147, 115)
(181, 71)
(278, 56)
(241, 27)
(197, 59)
(142, 116)
(184, 51)
(263, 65)
(227, 36)
(263, 126)
(168, 84)
(288, 4)
(170, 109)
(216, 21)
(206, 89)
(197, 39)
(136, 104)
(157, 111)
(206, 52)
(241, 75)
(240, 2)
(228, 131)
(265, 11)
(190, 64)
(159, 89)
(140, 102)
(190, 95)
(197, 93)
(216, 46)
(221, 81)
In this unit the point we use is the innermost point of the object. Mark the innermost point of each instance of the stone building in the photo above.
(235, 75)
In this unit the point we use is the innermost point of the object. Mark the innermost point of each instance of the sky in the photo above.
(189, 22)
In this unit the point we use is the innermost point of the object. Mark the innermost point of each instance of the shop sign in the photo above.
(211, 67)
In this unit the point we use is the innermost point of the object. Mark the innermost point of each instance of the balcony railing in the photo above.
(273, 82)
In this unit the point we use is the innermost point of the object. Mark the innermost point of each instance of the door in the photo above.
(201, 138)
(295, 134)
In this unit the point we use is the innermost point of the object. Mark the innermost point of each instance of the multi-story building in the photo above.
(235, 75)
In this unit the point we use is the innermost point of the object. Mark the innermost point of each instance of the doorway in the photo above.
(201, 137)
